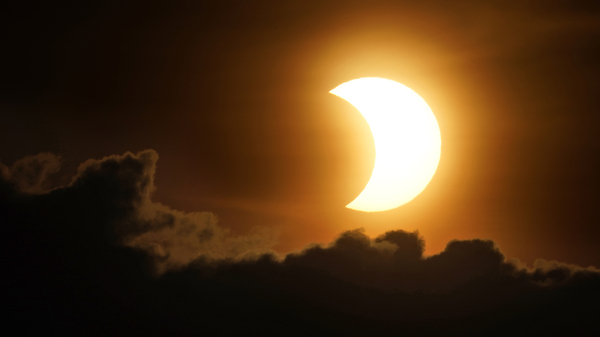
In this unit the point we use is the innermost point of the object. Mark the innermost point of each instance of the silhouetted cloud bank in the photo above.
(99, 257)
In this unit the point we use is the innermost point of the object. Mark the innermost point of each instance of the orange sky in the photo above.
(236, 103)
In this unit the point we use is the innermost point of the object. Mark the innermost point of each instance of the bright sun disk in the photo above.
(407, 141)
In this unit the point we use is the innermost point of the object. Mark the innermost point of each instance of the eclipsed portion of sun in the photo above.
(407, 141)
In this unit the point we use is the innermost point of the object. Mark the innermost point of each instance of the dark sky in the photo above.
(231, 98)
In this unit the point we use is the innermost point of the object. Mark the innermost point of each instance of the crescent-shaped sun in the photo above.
(407, 141)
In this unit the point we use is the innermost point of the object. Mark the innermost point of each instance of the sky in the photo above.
(160, 154)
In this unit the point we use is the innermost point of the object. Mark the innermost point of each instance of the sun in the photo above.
(407, 141)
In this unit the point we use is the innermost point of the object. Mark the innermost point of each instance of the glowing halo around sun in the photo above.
(407, 141)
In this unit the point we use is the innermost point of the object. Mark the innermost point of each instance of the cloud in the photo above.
(118, 190)
(394, 261)
(30, 173)
(99, 256)
(174, 239)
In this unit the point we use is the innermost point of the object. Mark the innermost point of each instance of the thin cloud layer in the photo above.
(80, 259)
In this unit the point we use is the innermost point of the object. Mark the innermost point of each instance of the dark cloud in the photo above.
(31, 173)
(119, 189)
(79, 260)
